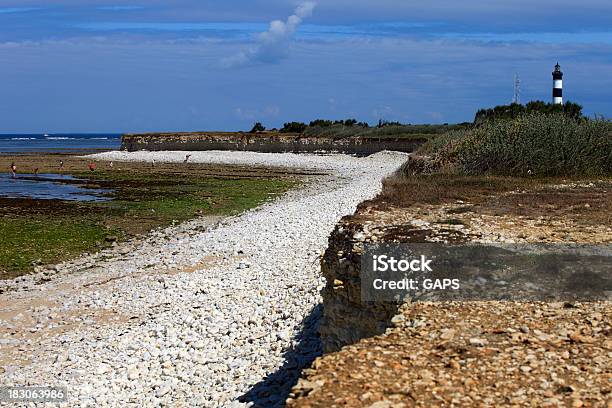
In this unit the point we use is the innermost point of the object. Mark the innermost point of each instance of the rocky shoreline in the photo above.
(266, 142)
(471, 352)
(196, 315)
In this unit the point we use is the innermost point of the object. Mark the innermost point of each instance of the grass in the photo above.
(411, 132)
(401, 190)
(44, 240)
(536, 167)
(540, 145)
(46, 232)
(166, 198)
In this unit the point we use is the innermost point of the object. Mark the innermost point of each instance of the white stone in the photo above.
(212, 332)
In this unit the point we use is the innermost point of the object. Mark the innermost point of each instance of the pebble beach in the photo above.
(205, 313)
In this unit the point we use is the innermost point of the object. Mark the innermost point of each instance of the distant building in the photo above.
(557, 85)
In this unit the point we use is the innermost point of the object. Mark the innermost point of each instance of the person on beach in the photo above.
(13, 169)
(36, 171)
(61, 167)
(187, 158)
(110, 165)
(92, 166)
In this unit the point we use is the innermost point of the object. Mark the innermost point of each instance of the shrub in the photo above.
(362, 129)
(320, 123)
(324, 123)
(436, 144)
(383, 123)
(293, 127)
(257, 127)
(514, 110)
(339, 129)
(531, 144)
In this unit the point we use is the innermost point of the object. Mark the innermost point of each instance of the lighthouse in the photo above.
(557, 85)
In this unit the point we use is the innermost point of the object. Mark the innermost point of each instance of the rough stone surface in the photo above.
(268, 142)
(193, 315)
(347, 319)
(469, 353)
(564, 360)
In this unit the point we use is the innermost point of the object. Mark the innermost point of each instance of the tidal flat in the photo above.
(142, 197)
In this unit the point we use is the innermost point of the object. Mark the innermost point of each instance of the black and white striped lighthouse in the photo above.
(557, 85)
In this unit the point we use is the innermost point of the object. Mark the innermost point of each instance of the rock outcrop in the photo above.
(346, 318)
(472, 352)
(265, 142)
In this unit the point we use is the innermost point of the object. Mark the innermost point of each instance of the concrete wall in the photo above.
(263, 142)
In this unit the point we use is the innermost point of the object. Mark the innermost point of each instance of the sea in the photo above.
(49, 187)
(58, 143)
(53, 186)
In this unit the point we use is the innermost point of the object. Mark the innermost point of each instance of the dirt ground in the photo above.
(534, 210)
(477, 353)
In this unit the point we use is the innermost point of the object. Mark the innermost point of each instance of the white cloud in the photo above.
(273, 45)
(270, 111)
(11, 10)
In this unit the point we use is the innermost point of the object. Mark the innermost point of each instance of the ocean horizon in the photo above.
(58, 142)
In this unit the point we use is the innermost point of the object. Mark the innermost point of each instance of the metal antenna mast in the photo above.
(517, 89)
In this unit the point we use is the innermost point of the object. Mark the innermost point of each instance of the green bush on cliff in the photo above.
(339, 129)
(362, 130)
(325, 123)
(531, 144)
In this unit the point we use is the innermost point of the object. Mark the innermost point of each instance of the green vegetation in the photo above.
(49, 231)
(257, 127)
(293, 127)
(340, 129)
(416, 132)
(514, 110)
(28, 241)
(530, 144)
(165, 198)
(323, 123)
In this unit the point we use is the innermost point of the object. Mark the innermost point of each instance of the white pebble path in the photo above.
(204, 338)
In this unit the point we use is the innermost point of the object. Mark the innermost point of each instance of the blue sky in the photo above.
(129, 66)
